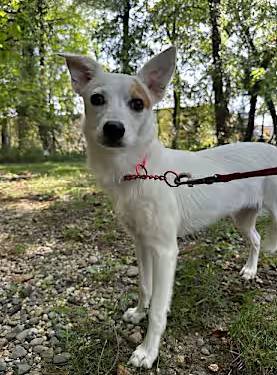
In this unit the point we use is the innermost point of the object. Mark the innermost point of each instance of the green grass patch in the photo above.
(94, 350)
(67, 180)
(254, 332)
(20, 248)
(198, 296)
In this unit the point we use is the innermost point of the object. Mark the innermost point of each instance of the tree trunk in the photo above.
(22, 126)
(272, 110)
(5, 140)
(251, 117)
(221, 107)
(125, 59)
(176, 110)
(43, 126)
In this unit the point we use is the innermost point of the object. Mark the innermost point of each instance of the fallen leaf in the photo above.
(121, 370)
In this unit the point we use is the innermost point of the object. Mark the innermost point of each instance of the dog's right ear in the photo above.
(82, 70)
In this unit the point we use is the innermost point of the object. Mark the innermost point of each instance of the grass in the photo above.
(51, 179)
(208, 293)
(198, 296)
(253, 331)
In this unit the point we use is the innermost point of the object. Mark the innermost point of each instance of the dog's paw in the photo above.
(134, 315)
(248, 273)
(142, 357)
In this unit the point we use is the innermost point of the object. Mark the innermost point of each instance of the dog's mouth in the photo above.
(112, 144)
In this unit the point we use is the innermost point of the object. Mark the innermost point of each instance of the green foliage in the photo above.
(39, 111)
(196, 127)
(37, 102)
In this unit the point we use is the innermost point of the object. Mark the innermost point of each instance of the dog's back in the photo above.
(205, 204)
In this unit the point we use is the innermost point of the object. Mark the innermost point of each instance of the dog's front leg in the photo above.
(145, 264)
(164, 263)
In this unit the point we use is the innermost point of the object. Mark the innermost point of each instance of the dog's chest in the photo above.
(137, 212)
(143, 210)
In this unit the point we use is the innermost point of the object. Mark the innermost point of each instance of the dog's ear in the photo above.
(157, 73)
(82, 69)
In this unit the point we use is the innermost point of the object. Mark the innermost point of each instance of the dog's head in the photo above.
(118, 107)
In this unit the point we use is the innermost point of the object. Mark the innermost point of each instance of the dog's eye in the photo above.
(97, 99)
(136, 104)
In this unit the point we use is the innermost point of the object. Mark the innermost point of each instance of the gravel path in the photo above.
(44, 268)
(60, 260)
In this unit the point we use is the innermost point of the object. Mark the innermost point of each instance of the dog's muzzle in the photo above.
(113, 132)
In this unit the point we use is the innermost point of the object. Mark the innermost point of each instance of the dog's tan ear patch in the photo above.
(138, 91)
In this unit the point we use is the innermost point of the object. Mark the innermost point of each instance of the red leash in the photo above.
(174, 179)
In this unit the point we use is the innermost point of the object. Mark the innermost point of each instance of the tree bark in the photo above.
(251, 117)
(43, 126)
(221, 107)
(176, 117)
(22, 126)
(272, 110)
(5, 140)
(125, 58)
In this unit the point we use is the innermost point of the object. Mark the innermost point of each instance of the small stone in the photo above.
(40, 349)
(13, 333)
(3, 365)
(45, 317)
(3, 342)
(135, 337)
(132, 271)
(38, 312)
(22, 368)
(180, 358)
(37, 341)
(34, 320)
(47, 355)
(54, 341)
(23, 335)
(14, 309)
(61, 358)
(269, 298)
(92, 260)
(200, 341)
(205, 350)
(18, 352)
(213, 367)
(58, 350)
(52, 315)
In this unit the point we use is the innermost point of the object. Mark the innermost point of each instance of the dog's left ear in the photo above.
(82, 70)
(157, 73)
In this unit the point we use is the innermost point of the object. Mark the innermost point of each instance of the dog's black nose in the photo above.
(113, 130)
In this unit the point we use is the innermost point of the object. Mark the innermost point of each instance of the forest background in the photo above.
(223, 89)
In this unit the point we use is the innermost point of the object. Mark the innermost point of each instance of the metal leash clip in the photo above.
(197, 181)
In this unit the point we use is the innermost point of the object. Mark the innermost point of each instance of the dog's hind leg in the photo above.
(270, 243)
(245, 220)
(145, 263)
(270, 203)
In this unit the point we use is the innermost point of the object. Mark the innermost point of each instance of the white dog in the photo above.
(119, 127)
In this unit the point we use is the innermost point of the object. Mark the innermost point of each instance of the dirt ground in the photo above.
(68, 272)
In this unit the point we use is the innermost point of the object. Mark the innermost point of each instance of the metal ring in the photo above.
(175, 178)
